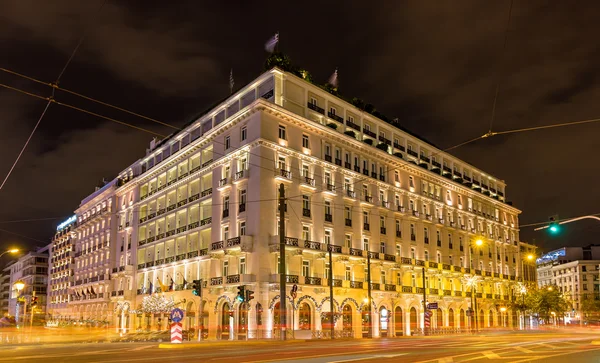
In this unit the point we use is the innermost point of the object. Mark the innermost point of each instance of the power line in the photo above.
(21, 235)
(49, 102)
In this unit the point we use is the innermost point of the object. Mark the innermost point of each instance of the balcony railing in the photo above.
(315, 108)
(242, 208)
(328, 218)
(355, 252)
(366, 226)
(348, 222)
(216, 281)
(306, 212)
(217, 245)
(235, 241)
(356, 284)
(350, 193)
(286, 174)
(309, 181)
(312, 280)
(206, 192)
(233, 279)
(382, 230)
(312, 245)
(291, 279)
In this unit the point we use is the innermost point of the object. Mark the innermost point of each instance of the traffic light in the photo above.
(197, 287)
(34, 301)
(249, 295)
(554, 227)
(241, 293)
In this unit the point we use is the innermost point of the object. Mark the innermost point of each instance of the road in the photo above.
(533, 346)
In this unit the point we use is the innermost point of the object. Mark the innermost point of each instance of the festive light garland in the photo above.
(156, 304)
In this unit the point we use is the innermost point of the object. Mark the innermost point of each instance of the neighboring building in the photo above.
(4, 293)
(32, 269)
(94, 257)
(575, 271)
(529, 264)
(60, 270)
(202, 204)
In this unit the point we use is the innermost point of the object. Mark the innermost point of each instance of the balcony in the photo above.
(225, 213)
(181, 229)
(312, 245)
(284, 175)
(181, 203)
(415, 213)
(170, 208)
(399, 234)
(312, 280)
(315, 108)
(389, 287)
(292, 279)
(388, 257)
(328, 158)
(233, 279)
(401, 208)
(194, 198)
(308, 181)
(357, 168)
(306, 212)
(382, 230)
(330, 188)
(348, 222)
(217, 245)
(350, 193)
(206, 193)
(194, 225)
(338, 162)
(369, 133)
(356, 284)
(356, 252)
(240, 175)
(352, 125)
(407, 289)
(232, 242)
(206, 221)
(368, 199)
(223, 183)
(214, 281)
(347, 165)
(328, 218)
(412, 153)
(366, 226)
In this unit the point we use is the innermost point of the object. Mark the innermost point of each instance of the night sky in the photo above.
(434, 65)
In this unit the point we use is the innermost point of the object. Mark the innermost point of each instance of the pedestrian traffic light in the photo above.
(241, 293)
(554, 227)
(34, 300)
(249, 295)
(197, 287)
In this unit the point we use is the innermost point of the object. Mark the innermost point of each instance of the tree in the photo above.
(590, 306)
(546, 300)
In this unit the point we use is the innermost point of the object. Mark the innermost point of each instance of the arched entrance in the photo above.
(347, 318)
(439, 318)
(383, 321)
(190, 317)
(398, 321)
(305, 319)
(366, 321)
(413, 323)
(451, 318)
(243, 321)
(491, 320)
(226, 316)
(463, 319)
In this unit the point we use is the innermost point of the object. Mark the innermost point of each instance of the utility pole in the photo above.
(32, 308)
(282, 277)
(424, 301)
(330, 248)
(370, 332)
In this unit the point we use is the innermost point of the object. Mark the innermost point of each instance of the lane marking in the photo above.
(490, 354)
(524, 350)
(529, 359)
(446, 360)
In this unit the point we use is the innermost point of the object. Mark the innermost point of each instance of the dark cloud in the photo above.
(435, 65)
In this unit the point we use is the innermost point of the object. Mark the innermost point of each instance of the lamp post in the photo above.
(13, 250)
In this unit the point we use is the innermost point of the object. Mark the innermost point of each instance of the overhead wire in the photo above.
(49, 101)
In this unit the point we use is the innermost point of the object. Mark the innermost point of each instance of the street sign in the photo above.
(176, 333)
(294, 294)
(432, 306)
(176, 315)
(427, 319)
(294, 291)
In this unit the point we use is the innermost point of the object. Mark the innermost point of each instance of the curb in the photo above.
(224, 344)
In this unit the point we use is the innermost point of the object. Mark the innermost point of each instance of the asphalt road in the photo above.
(534, 346)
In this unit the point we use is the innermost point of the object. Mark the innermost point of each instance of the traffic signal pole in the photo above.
(330, 248)
(282, 277)
(425, 331)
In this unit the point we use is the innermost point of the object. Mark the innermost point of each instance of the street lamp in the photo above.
(13, 250)
(472, 283)
(479, 242)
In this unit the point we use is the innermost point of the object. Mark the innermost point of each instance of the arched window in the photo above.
(305, 317)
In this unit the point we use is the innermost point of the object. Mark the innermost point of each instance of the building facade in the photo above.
(60, 270)
(203, 205)
(4, 293)
(575, 271)
(32, 270)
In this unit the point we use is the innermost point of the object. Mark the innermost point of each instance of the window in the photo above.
(413, 236)
(281, 163)
(225, 233)
(382, 277)
(426, 234)
(327, 238)
(348, 273)
(243, 133)
(439, 257)
(332, 110)
(459, 201)
(227, 142)
(306, 202)
(396, 176)
(348, 213)
(411, 205)
(306, 232)
(327, 209)
(242, 265)
(305, 171)
(413, 253)
(398, 228)
(313, 101)
(426, 255)
(398, 250)
(327, 270)
(282, 134)
(382, 222)
(382, 247)
(448, 196)
(243, 197)
(366, 217)
(243, 228)
(226, 203)
(347, 184)
(225, 268)
(243, 163)
(365, 244)
(305, 143)
(348, 241)
(305, 268)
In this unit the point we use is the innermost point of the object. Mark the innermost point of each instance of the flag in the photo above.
(184, 280)
(82, 292)
(163, 288)
(172, 285)
(151, 287)
(77, 293)
(333, 80)
(93, 292)
(271, 43)
(231, 83)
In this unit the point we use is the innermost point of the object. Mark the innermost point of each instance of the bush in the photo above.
(368, 141)
(350, 133)
(383, 146)
(332, 125)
